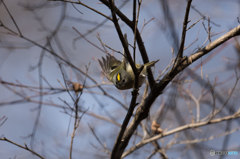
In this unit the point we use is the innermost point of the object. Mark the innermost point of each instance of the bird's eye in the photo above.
(113, 67)
(123, 81)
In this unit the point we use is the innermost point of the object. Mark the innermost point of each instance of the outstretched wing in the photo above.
(108, 65)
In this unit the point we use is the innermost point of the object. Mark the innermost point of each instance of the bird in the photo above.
(120, 73)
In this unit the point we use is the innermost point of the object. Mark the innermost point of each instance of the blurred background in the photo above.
(25, 68)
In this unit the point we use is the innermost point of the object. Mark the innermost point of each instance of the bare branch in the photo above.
(143, 110)
(202, 139)
(100, 13)
(23, 147)
(3, 120)
(9, 13)
(105, 148)
(184, 30)
(141, 46)
(178, 129)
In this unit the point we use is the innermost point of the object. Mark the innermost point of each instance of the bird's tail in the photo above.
(150, 64)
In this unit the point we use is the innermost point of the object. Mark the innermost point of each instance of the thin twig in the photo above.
(110, 47)
(202, 139)
(76, 8)
(77, 118)
(12, 18)
(194, 24)
(105, 148)
(23, 147)
(100, 13)
(88, 40)
(144, 24)
(3, 120)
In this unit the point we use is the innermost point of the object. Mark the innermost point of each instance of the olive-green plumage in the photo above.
(121, 73)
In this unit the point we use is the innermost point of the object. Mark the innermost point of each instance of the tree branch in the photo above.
(116, 153)
(140, 43)
(23, 147)
(100, 13)
(184, 30)
(143, 109)
(178, 129)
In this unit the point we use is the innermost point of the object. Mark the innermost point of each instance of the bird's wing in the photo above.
(108, 65)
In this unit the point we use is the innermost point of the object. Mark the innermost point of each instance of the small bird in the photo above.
(121, 73)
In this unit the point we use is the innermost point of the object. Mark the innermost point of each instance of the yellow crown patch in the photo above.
(118, 77)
